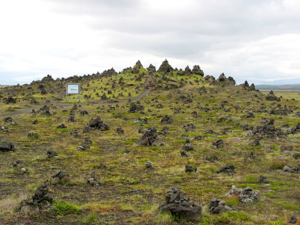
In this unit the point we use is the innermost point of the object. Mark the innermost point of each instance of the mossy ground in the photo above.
(128, 192)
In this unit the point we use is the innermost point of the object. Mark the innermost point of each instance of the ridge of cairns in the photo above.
(149, 145)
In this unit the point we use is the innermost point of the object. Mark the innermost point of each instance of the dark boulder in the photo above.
(6, 147)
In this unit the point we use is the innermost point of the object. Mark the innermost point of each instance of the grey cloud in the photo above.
(197, 33)
(226, 22)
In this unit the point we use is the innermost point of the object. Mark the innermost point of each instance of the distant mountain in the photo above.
(279, 82)
(279, 87)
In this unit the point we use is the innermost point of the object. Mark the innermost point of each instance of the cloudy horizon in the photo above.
(258, 41)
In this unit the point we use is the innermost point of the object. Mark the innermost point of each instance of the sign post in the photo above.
(73, 89)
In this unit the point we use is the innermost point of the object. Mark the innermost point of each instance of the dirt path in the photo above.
(145, 93)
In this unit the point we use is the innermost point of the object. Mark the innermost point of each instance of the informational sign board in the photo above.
(73, 89)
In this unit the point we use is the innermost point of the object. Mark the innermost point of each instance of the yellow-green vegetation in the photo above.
(128, 192)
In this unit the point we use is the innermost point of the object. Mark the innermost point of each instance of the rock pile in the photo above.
(296, 155)
(75, 133)
(222, 80)
(120, 130)
(189, 127)
(218, 144)
(135, 107)
(109, 73)
(292, 221)
(165, 67)
(93, 180)
(294, 129)
(187, 146)
(263, 180)
(45, 111)
(9, 100)
(150, 138)
(51, 154)
(151, 69)
(245, 196)
(267, 131)
(98, 124)
(291, 169)
(180, 206)
(7, 119)
(61, 126)
(189, 169)
(141, 120)
(219, 206)
(211, 158)
(149, 165)
(47, 79)
(271, 97)
(184, 154)
(196, 70)
(166, 120)
(60, 177)
(228, 168)
(164, 131)
(5, 129)
(40, 200)
(137, 67)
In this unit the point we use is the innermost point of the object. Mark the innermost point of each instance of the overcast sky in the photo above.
(253, 40)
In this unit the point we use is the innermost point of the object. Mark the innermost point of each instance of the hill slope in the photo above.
(118, 168)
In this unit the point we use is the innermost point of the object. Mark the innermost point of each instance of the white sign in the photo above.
(73, 89)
